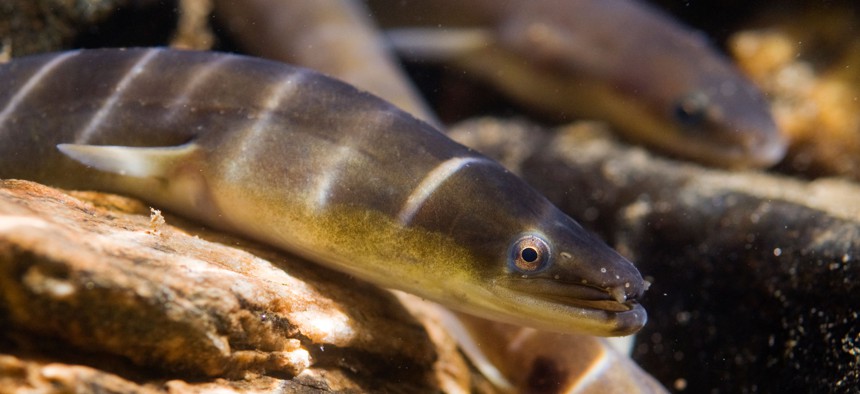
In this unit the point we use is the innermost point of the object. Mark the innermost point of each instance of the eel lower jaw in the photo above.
(752, 150)
(590, 298)
(608, 312)
(759, 157)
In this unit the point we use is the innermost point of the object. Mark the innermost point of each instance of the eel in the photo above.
(520, 359)
(315, 167)
(337, 38)
(656, 81)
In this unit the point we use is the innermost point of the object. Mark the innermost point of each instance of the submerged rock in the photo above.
(755, 276)
(117, 299)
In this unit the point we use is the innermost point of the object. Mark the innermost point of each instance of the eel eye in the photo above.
(529, 254)
(691, 109)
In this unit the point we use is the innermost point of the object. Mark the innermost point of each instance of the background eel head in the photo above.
(657, 81)
(702, 108)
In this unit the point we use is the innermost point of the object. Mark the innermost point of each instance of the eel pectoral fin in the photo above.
(171, 177)
(439, 45)
(141, 162)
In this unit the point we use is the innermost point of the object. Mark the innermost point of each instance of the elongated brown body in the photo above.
(657, 81)
(337, 38)
(318, 168)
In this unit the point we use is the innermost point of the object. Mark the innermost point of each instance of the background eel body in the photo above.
(655, 80)
(336, 38)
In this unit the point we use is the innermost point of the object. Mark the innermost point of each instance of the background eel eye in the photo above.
(690, 110)
(529, 254)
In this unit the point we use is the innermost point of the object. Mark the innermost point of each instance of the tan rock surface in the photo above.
(91, 275)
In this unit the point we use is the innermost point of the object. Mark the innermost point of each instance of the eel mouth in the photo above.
(585, 294)
(614, 299)
(609, 311)
(604, 305)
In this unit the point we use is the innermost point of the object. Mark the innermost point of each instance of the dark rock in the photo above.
(755, 276)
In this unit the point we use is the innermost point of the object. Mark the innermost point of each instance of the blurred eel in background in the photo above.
(337, 38)
(656, 81)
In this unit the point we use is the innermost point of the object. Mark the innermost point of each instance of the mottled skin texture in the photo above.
(657, 81)
(316, 167)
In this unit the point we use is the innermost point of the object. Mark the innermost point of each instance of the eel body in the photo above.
(337, 38)
(524, 360)
(316, 167)
(657, 81)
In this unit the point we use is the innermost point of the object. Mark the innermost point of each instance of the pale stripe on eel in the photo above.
(251, 136)
(274, 100)
(431, 182)
(97, 119)
(180, 104)
(31, 83)
(322, 189)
